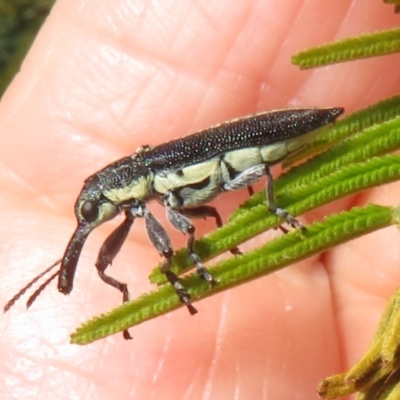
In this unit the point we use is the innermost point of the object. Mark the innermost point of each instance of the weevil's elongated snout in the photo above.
(91, 210)
(71, 258)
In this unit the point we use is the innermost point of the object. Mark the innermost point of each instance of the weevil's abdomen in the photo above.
(263, 129)
(238, 161)
(197, 184)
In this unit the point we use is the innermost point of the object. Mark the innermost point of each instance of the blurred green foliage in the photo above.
(20, 21)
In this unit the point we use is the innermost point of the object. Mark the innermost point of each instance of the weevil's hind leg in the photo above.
(184, 225)
(280, 227)
(108, 252)
(280, 212)
(245, 179)
(251, 193)
(161, 241)
(252, 175)
(208, 211)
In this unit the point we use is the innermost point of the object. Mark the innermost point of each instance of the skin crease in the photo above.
(105, 77)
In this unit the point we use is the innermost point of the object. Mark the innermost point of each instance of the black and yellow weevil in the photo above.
(183, 175)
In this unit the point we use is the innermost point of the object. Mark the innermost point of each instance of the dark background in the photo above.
(20, 20)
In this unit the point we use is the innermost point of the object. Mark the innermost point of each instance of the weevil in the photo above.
(183, 175)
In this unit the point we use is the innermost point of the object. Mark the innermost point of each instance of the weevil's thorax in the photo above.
(189, 186)
(126, 179)
(113, 189)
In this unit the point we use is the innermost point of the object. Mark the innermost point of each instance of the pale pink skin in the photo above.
(107, 76)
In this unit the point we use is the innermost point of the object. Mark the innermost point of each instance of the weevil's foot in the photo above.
(127, 335)
(204, 274)
(293, 222)
(282, 229)
(298, 225)
(235, 251)
(184, 297)
(191, 309)
(182, 293)
(202, 270)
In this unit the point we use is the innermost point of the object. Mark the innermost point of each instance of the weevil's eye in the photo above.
(89, 211)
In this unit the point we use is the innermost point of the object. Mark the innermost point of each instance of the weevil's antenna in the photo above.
(41, 288)
(30, 284)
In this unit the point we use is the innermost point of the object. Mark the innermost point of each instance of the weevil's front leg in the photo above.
(112, 246)
(161, 241)
(184, 225)
(252, 175)
(108, 252)
(208, 211)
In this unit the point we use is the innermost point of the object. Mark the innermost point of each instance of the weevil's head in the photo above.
(92, 207)
(91, 210)
(103, 196)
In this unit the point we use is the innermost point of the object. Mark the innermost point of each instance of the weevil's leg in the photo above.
(246, 178)
(280, 227)
(252, 175)
(161, 241)
(280, 212)
(108, 252)
(203, 212)
(208, 211)
(112, 246)
(184, 225)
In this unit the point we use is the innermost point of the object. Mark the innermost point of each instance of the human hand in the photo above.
(102, 79)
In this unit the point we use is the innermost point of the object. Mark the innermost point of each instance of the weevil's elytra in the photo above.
(184, 175)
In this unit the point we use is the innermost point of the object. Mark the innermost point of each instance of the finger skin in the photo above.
(105, 77)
